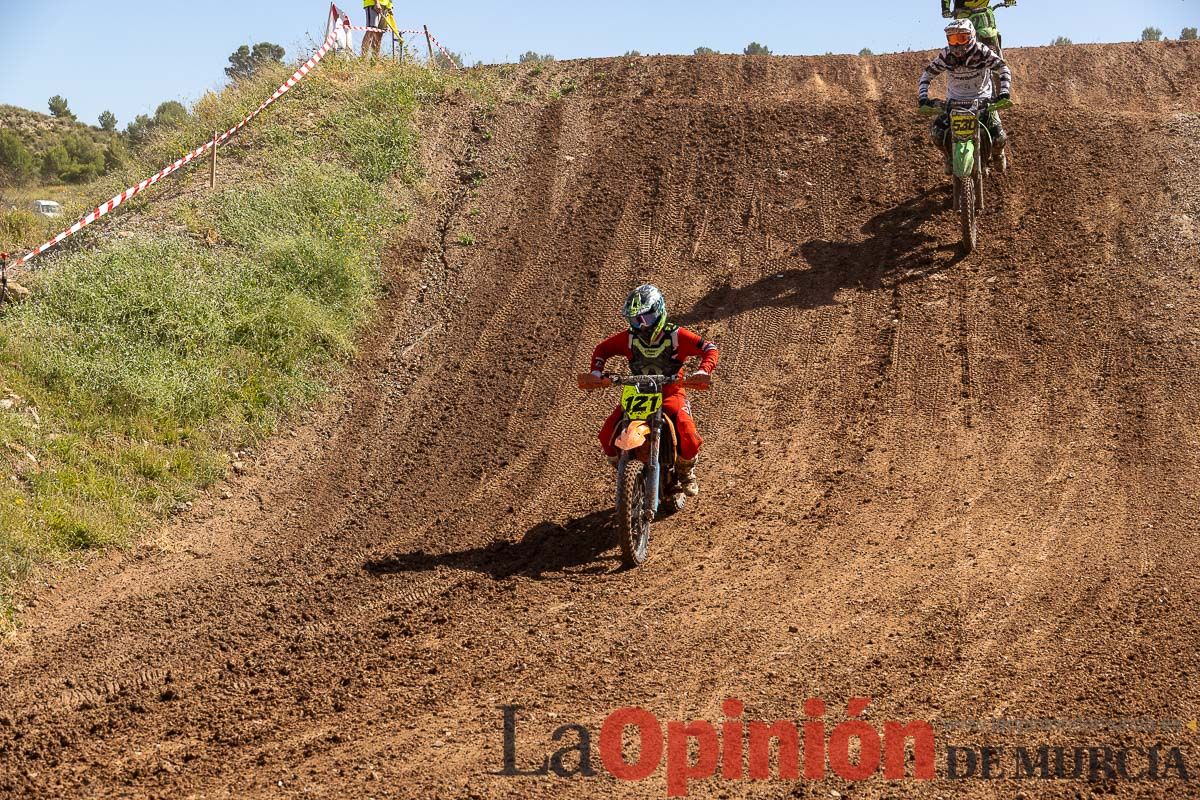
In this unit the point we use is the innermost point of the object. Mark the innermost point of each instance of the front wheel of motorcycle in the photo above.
(966, 210)
(633, 521)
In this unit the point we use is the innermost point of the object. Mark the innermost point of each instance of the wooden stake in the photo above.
(212, 171)
(429, 43)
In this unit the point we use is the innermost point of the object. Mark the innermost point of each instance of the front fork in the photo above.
(651, 475)
(652, 469)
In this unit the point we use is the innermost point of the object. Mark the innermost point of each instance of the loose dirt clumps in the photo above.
(964, 488)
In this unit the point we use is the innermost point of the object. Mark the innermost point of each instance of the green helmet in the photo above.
(646, 311)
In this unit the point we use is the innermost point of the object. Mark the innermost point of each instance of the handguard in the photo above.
(589, 382)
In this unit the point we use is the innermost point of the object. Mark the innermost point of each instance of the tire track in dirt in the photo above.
(437, 545)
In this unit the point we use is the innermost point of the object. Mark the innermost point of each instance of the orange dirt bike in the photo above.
(647, 485)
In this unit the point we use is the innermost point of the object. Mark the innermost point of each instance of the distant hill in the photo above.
(36, 147)
(40, 131)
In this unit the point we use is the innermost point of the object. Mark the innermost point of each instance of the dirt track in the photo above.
(964, 488)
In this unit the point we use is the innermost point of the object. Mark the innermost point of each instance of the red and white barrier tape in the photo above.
(105, 208)
(432, 38)
(445, 52)
(295, 78)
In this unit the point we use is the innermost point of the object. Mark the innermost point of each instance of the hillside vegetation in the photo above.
(36, 147)
(185, 329)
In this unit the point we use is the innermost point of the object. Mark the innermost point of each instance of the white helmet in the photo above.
(960, 34)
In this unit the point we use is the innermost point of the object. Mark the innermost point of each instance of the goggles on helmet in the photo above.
(958, 38)
(644, 320)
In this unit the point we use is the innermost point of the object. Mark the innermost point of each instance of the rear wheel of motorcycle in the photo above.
(633, 522)
(966, 210)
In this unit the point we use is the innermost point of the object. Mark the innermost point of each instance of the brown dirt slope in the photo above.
(966, 488)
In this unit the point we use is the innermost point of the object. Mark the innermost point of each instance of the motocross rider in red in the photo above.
(654, 346)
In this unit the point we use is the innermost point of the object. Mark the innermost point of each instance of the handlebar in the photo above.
(938, 106)
(589, 382)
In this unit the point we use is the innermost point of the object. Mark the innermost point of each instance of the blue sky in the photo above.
(129, 56)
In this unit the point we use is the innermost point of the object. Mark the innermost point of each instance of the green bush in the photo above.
(55, 161)
(85, 159)
(17, 166)
(18, 226)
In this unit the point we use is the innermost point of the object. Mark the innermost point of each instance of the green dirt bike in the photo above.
(971, 153)
(648, 489)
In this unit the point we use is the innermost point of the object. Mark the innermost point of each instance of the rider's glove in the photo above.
(924, 102)
(1004, 98)
(700, 378)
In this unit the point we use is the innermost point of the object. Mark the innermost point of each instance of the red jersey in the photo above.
(667, 357)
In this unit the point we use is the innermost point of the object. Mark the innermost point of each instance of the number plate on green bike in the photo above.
(638, 404)
(964, 125)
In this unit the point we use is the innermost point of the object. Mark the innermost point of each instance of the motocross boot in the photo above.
(685, 471)
(999, 159)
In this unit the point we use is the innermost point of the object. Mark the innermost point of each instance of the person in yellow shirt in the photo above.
(379, 13)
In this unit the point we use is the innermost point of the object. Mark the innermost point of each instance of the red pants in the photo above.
(678, 409)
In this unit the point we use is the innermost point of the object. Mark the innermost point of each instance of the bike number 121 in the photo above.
(639, 405)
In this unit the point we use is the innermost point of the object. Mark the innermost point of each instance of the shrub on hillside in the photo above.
(756, 49)
(246, 62)
(171, 112)
(19, 226)
(444, 61)
(55, 161)
(17, 165)
(137, 131)
(1188, 34)
(1152, 35)
(85, 159)
(59, 108)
